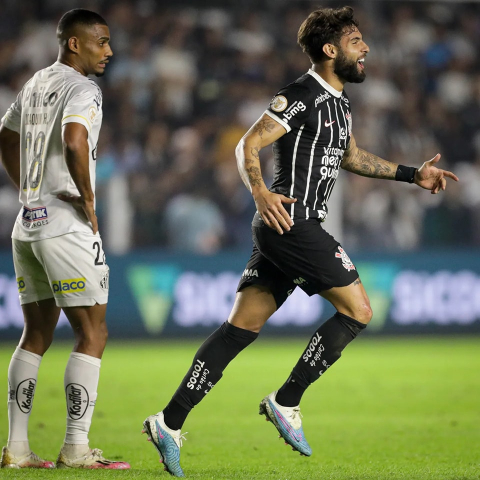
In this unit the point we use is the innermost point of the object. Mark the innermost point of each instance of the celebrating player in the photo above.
(309, 123)
(48, 141)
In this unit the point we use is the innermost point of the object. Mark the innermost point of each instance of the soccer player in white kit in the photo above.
(48, 140)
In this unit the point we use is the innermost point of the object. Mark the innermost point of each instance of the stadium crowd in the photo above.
(186, 82)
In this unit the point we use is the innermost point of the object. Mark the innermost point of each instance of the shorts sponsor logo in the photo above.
(25, 392)
(21, 284)
(77, 400)
(300, 281)
(293, 110)
(71, 285)
(250, 272)
(346, 262)
(279, 103)
(34, 217)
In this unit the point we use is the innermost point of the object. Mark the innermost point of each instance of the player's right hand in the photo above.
(270, 207)
(86, 206)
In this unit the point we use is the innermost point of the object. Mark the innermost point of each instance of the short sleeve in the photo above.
(83, 106)
(291, 106)
(12, 119)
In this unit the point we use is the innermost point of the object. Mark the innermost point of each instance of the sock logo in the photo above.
(25, 392)
(197, 368)
(77, 400)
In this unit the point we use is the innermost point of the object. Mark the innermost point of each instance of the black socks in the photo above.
(211, 359)
(323, 350)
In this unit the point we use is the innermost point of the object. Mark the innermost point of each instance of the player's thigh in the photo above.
(351, 300)
(308, 255)
(76, 269)
(253, 306)
(262, 290)
(32, 279)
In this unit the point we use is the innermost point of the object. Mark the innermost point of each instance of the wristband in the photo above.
(405, 174)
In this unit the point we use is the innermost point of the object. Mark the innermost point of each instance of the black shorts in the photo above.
(306, 256)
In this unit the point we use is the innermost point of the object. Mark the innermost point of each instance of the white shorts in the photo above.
(71, 268)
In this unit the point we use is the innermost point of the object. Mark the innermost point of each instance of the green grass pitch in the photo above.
(404, 408)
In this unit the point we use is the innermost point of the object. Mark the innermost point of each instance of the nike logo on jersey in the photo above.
(327, 123)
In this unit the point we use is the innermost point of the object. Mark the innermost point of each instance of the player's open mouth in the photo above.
(361, 64)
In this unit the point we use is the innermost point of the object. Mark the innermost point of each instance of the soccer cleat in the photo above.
(166, 441)
(29, 460)
(288, 422)
(92, 460)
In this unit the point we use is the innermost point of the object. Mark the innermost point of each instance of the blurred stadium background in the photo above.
(185, 83)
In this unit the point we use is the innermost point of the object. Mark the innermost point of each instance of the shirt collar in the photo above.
(324, 84)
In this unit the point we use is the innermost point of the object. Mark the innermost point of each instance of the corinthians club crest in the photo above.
(346, 262)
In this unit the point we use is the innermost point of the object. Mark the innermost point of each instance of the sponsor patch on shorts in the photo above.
(70, 285)
(21, 284)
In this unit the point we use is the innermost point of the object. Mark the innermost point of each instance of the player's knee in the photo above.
(94, 335)
(248, 323)
(365, 313)
(36, 341)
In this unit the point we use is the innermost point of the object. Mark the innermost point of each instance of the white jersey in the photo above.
(53, 97)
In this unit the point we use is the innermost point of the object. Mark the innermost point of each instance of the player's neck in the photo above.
(70, 63)
(325, 70)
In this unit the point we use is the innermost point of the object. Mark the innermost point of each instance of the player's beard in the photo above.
(347, 70)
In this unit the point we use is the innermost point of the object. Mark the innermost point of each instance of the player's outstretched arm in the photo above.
(75, 150)
(367, 164)
(363, 163)
(269, 205)
(10, 153)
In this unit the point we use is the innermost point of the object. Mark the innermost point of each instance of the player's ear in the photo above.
(73, 44)
(330, 50)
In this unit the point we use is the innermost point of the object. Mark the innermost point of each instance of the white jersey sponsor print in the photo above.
(53, 97)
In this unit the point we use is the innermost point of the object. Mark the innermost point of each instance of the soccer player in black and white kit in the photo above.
(309, 123)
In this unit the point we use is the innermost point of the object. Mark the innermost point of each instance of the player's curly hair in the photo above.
(325, 25)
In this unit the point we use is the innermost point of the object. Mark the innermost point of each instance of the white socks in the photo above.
(22, 379)
(81, 381)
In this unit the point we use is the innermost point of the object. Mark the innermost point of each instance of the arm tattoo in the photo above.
(263, 125)
(254, 175)
(357, 281)
(368, 165)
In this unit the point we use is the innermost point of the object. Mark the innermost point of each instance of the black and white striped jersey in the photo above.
(307, 158)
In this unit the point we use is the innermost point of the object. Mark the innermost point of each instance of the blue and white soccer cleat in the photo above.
(166, 441)
(288, 422)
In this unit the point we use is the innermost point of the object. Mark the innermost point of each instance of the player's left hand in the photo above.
(431, 178)
(86, 206)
